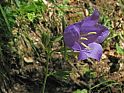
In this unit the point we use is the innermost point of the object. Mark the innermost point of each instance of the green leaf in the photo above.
(81, 91)
(27, 8)
(119, 49)
(31, 16)
(57, 38)
(62, 75)
(45, 38)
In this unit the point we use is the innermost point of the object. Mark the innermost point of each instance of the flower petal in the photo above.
(96, 51)
(71, 34)
(76, 46)
(101, 33)
(87, 29)
(91, 20)
(103, 36)
(91, 37)
(82, 55)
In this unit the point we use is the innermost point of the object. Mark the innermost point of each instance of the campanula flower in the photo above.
(84, 37)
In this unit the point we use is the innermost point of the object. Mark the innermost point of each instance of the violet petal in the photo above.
(71, 34)
(82, 55)
(76, 46)
(103, 36)
(95, 52)
(91, 20)
(102, 33)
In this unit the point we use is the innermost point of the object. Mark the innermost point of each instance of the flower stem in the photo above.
(90, 86)
(46, 73)
(63, 27)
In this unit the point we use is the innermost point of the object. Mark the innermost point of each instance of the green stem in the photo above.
(90, 86)
(108, 85)
(102, 83)
(4, 16)
(17, 3)
(46, 73)
(63, 27)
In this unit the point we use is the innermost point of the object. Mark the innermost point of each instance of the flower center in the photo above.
(83, 37)
(85, 46)
(90, 33)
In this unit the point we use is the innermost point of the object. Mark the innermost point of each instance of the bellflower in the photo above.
(84, 37)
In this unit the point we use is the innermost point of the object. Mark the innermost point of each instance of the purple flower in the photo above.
(84, 37)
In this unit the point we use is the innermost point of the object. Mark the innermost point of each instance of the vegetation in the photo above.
(34, 58)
